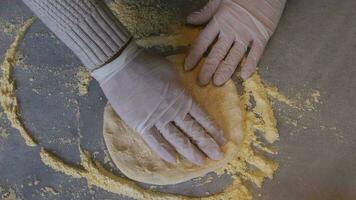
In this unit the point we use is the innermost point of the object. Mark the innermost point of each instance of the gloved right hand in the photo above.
(145, 91)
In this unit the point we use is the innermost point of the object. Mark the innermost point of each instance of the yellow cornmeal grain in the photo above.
(316, 96)
(10, 195)
(311, 102)
(8, 97)
(182, 37)
(308, 104)
(45, 191)
(142, 20)
(275, 94)
(3, 133)
(206, 181)
(7, 27)
(83, 78)
(266, 121)
(260, 117)
(96, 175)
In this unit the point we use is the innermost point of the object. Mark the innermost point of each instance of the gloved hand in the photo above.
(145, 91)
(238, 24)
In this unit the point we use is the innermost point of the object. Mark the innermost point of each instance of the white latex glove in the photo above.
(238, 24)
(145, 91)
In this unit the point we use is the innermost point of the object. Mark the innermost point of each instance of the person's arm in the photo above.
(237, 26)
(86, 27)
(143, 89)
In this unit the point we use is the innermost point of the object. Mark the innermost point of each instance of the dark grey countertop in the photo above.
(314, 48)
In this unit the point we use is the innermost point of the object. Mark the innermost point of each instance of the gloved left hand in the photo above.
(238, 25)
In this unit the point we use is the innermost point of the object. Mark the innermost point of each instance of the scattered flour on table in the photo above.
(308, 104)
(48, 191)
(8, 97)
(33, 182)
(83, 78)
(10, 194)
(154, 25)
(144, 20)
(3, 133)
(8, 27)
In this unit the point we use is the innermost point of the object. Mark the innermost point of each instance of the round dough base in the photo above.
(135, 159)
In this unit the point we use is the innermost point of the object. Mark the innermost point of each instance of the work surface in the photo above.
(314, 49)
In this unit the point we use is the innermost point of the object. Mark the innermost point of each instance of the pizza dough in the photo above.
(135, 159)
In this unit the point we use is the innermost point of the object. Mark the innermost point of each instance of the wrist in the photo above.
(117, 63)
(267, 12)
(116, 55)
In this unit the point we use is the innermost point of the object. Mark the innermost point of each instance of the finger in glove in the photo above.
(181, 143)
(199, 137)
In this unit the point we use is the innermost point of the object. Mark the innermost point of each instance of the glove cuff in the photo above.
(87, 27)
(107, 71)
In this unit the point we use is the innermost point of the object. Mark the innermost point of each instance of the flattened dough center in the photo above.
(135, 159)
